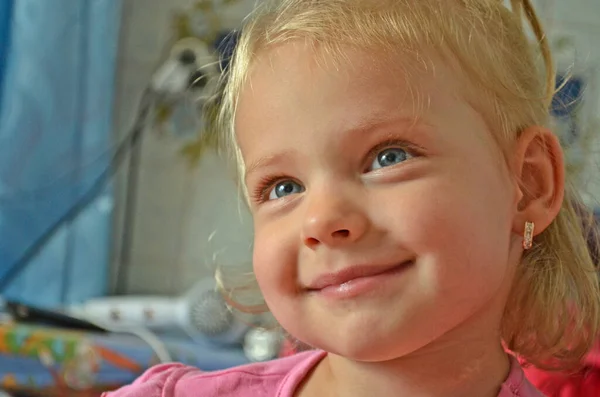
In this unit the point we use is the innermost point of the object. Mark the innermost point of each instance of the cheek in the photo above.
(273, 259)
(458, 227)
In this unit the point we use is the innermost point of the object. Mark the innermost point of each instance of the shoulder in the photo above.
(517, 385)
(256, 380)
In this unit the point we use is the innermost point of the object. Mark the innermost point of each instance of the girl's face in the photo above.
(379, 228)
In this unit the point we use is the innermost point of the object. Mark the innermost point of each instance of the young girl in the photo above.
(412, 220)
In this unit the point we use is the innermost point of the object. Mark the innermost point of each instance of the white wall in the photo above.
(178, 208)
(579, 21)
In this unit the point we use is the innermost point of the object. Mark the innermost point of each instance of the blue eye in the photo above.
(389, 157)
(285, 188)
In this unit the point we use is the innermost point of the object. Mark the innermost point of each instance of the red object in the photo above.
(287, 349)
(585, 383)
(292, 347)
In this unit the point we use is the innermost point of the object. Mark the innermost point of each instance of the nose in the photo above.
(334, 221)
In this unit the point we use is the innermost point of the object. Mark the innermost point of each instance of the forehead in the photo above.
(294, 83)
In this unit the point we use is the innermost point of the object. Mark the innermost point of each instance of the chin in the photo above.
(367, 346)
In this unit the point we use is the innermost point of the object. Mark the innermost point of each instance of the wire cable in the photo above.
(127, 144)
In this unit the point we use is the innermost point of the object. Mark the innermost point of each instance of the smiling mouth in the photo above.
(355, 280)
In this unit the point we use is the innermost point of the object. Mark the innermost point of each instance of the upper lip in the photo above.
(350, 273)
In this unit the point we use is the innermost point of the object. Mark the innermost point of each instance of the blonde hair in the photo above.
(553, 313)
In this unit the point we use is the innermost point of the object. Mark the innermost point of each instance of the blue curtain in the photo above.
(6, 8)
(55, 141)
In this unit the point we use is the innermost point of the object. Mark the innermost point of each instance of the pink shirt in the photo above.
(584, 383)
(279, 378)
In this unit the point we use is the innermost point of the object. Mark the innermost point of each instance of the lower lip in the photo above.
(361, 285)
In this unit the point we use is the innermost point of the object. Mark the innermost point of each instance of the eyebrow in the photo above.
(379, 121)
(367, 124)
(266, 161)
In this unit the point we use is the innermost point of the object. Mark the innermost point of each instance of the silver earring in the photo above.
(528, 235)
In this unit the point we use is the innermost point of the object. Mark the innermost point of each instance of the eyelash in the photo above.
(268, 182)
(265, 185)
(411, 148)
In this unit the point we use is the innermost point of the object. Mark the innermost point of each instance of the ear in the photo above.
(540, 175)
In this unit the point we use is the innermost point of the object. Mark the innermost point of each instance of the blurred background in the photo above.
(109, 188)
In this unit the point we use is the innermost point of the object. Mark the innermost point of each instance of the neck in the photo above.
(453, 366)
(455, 371)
